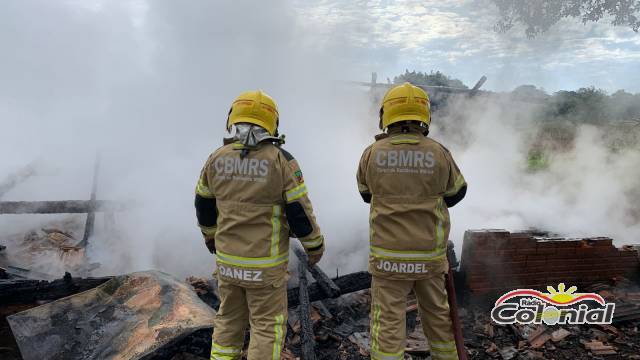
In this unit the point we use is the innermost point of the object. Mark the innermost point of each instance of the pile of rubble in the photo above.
(328, 317)
(620, 340)
(42, 252)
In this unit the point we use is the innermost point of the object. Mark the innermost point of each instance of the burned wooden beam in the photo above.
(91, 215)
(32, 291)
(307, 337)
(327, 285)
(347, 284)
(59, 207)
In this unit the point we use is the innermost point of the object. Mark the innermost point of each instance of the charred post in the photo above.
(307, 337)
(327, 285)
(59, 207)
(91, 215)
(347, 284)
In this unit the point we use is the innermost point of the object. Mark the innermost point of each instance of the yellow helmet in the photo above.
(405, 102)
(254, 107)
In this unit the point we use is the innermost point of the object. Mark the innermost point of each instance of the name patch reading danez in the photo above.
(240, 274)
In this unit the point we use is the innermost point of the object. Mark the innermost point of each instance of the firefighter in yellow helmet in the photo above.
(410, 180)
(250, 198)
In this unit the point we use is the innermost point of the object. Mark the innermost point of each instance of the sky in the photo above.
(148, 85)
(457, 38)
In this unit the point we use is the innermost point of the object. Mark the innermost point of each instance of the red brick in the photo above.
(563, 253)
(518, 258)
(536, 262)
(546, 250)
(546, 244)
(527, 251)
(598, 241)
(568, 243)
(505, 253)
(588, 252)
(516, 242)
(628, 253)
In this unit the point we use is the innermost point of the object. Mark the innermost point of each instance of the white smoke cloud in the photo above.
(149, 84)
(588, 189)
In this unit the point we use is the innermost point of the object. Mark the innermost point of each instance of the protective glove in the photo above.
(314, 258)
(210, 241)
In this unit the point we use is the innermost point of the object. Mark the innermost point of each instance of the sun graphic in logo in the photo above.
(562, 295)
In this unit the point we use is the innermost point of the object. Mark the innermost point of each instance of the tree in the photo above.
(539, 15)
(529, 93)
(587, 105)
(433, 79)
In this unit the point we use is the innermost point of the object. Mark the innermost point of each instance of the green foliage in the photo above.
(587, 105)
(538, 161)
(433, 79)
(529, 93)
(583, 106)
(538, 16)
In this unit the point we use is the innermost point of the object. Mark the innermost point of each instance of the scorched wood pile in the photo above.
(328, 317)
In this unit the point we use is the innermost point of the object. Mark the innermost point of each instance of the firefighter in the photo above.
(410, 180)
(250, 198)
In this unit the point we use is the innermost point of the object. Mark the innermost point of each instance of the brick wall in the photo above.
(499, 261)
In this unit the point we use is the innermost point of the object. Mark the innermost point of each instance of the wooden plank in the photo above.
(91, 215)
(59, 207)
(32, 291)
(327, 285)
(347, 284)
(307, 337)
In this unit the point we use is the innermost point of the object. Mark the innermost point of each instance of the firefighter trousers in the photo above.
(388, 317)
(263, 309)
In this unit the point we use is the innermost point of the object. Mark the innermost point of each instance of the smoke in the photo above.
(148, 86)
(588, 188)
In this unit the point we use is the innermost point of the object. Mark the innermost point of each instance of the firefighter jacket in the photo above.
(251, 202)
(410, 181)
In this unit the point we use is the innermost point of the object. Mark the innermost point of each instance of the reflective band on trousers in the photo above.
(445, 350)
(435, 355)
(219, 352)
(248, 262)
(407, 255)
(379, 355)
(376, 354)
(375, 327)
(296, 193)
(278, 338)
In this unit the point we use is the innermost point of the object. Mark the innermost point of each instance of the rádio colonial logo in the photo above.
(561, 306)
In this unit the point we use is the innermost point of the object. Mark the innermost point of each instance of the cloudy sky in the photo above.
(457, 37)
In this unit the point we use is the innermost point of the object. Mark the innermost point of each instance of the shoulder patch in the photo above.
(287, 155)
